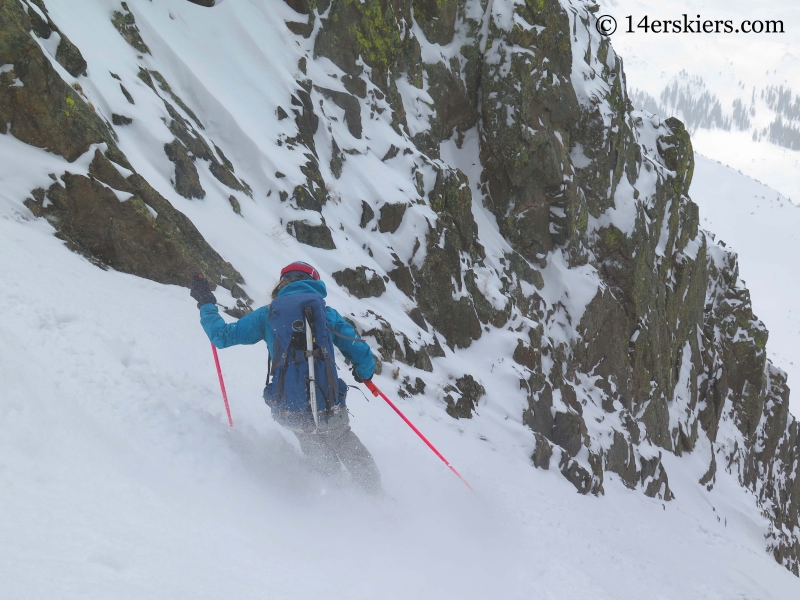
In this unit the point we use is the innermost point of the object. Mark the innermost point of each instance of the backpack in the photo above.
(287, 391)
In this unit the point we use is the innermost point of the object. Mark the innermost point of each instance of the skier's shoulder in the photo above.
(261, 313)
(335, 320)
(256, 315)
(255, 320)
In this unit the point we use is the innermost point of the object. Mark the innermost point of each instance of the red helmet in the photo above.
(302, 268)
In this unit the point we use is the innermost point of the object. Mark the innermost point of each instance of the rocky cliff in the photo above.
(487, 157)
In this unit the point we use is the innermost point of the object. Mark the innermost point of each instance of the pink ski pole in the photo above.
(376, 392)
(222, 385)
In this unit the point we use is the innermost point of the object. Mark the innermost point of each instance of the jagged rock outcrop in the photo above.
(125, 23)
(574, 176)
(36, 105)
(743, 392)
(393, 346)
(529, 113)
(362, 282)
(462, 398)
(109, 213)
(189, 144)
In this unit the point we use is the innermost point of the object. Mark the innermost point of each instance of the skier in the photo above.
(299, 330)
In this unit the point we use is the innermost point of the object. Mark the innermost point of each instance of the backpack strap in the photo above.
(280, 387)
(344, 337)
(330, 397)
(269, 354)
(271, 362)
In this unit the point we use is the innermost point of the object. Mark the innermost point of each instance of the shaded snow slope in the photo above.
(119, 477)
(763, 227)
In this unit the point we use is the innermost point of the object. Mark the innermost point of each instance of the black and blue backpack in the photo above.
(287, 391)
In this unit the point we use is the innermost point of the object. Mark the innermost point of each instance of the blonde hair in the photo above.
(281, 284)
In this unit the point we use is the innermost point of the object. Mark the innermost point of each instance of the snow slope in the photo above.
(763, 227)
(731, 67)
(120, 479)
(118, 475)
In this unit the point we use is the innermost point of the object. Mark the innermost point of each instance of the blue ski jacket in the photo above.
(253, 327)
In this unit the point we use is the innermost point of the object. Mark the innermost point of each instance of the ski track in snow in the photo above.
(119, 477)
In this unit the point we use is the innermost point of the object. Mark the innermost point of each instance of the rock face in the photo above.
(462, 399)
(318, 236)
(44, 111)
(67, 54)
(190, 144)
(362, 282)
(110, 213)
(563, 155)
(125, 23)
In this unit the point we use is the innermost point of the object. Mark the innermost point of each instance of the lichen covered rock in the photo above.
(362, 282)
(463, 398)
(318, 236)
(115, 220)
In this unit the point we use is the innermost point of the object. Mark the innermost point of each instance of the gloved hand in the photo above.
(356, 377)
(201, 291)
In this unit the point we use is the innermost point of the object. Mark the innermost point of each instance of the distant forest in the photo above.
(687, 98)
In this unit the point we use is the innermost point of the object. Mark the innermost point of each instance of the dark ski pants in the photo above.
(329, 449)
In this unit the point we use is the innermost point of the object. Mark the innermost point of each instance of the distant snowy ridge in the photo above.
(748, 81)
(688, 99)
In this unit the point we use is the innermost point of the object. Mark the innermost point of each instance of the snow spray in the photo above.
(222, 386)
(376, 392)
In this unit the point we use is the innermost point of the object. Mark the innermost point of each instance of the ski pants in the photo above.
(328, 449)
